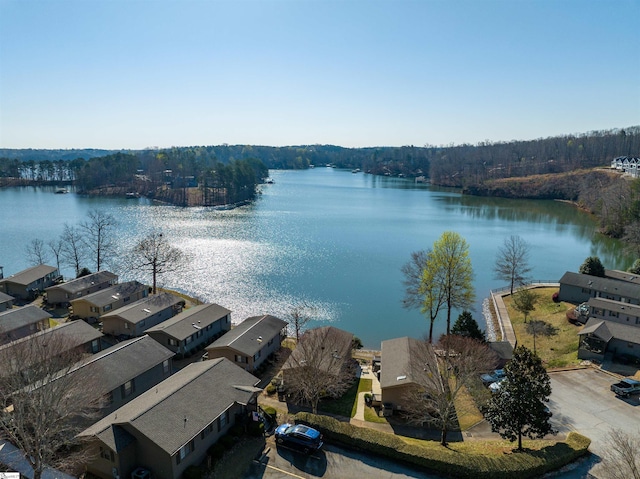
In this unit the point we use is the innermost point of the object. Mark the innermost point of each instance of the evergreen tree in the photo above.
(524, 301)
(518, 408)
(465, 325)
(635, 269)
(592, 266)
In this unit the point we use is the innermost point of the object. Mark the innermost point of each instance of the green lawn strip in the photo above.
(346, 405)
(559, 350)
(473, 459)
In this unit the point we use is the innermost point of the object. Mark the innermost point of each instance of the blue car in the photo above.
(298, 436)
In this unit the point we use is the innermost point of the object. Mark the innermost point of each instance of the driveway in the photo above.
(581, 401)
(330, 463)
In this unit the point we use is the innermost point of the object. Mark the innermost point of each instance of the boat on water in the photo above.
(269, 181)
(356, 170)
(61, 191)
(132, 196)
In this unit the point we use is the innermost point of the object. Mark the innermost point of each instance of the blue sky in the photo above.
(136, 74)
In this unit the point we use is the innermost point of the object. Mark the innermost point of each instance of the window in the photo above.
(173, 342)
(270, 342)
(107, 307)
(126, 325)
(257, 355)
(613, 313)
(94, 309)
(222, 420)
(127, 388)
(126, 299)
(240, 359)
(188, 340)
(95, 346)
(206, 431)
(185, 451)
(165, 366)
(142, 323)
(106, 453)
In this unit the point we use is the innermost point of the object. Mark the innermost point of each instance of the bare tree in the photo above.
(621, 459)
(439, 376)
(512, 261)
(98, 232)
(320, 366)
(56, 249)
(44, 408)
(153, 254)
(423, 283)
(299, 317)
(73, 247)
(36, 252)
(537, 327)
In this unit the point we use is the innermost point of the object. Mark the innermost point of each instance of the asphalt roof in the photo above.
(5, 298)
(607, 330)
(250, 335)
(124, 361)
(15, 318)
(30, 275)
(334, 344)
(180, 407)
(616, 306)
(85, 282)
(604, 285)
(398, 365)
(622, 276)
(109, 295)
(184, 324)
(145, 307)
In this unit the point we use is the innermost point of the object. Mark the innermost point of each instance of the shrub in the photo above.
(271, 389)
(447, 461)
(556, 297)
(271, 411)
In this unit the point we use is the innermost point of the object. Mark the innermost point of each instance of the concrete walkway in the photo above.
(366, 373)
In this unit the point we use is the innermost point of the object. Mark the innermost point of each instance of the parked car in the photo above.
(492, 377)
(626, 387)
(495, 386)
(299, 436)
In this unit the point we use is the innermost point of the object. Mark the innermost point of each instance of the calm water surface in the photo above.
(332, 239)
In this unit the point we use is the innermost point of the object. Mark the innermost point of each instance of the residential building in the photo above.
(251, 342)
(579, 288)
(135, 318)
(124, 371)
(193, 328)
(600, 337)
(73, 336)
(170, 427)
(401, 370)
(622, 276)
(6, 301)
(92, 306)
(18, 323)
(62, 294)
(614, 311)
(29, 283)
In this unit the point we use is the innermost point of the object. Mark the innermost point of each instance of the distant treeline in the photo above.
(453, 165)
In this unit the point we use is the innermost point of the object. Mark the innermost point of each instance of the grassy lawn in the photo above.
(468, 413)
(555, 351)
(347, 404)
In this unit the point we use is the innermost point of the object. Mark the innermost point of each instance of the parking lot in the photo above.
(582, 401)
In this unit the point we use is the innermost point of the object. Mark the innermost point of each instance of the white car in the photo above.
(495, 386)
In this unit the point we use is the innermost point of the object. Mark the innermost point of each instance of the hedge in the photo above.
(448, 462)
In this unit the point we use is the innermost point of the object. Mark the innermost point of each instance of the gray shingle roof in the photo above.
(145, 307)
(617, 306)
(398, 365)
(607, 330)
(250, 335)
(622, 276)
(5, 298)
(16, 318)
(106, 296)
(80, 284)
(181, 325)
(30, 275)
(124, 361)
(336, 343)
(176, 410)
(604, 285)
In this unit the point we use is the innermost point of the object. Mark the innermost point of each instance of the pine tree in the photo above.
(518, 408)
(465, 325)
(592, 266)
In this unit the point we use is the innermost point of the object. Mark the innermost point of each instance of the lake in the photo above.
(326, 238)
